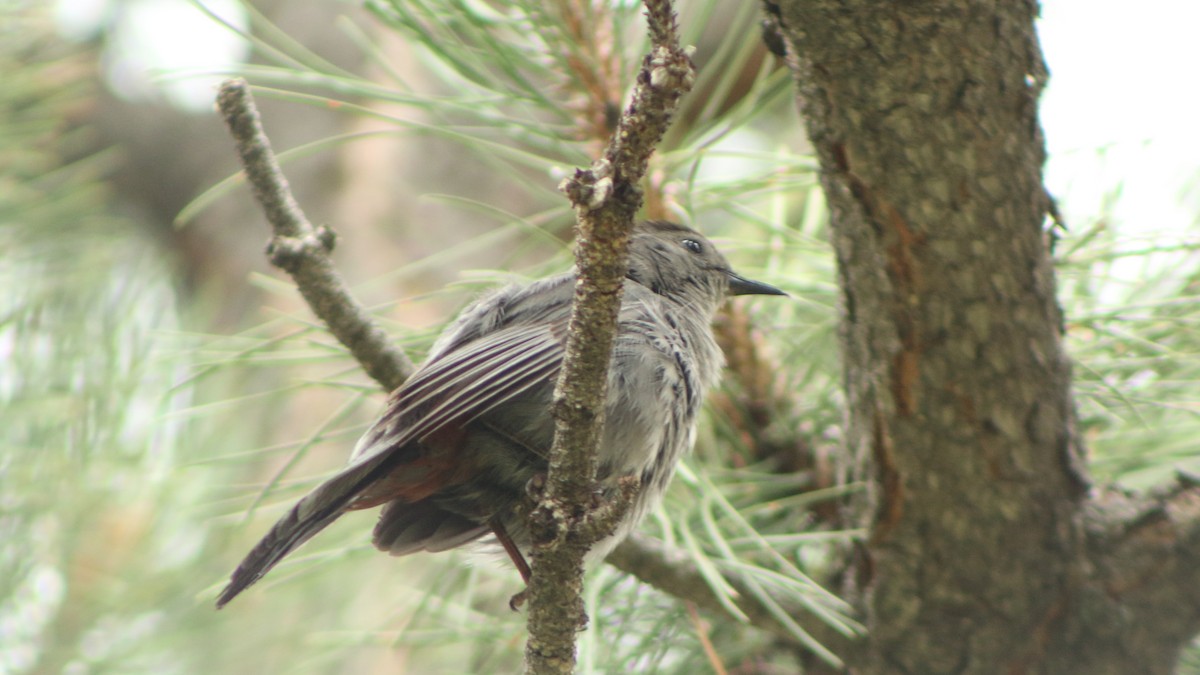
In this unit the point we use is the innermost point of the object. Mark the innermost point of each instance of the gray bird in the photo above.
(451, 455)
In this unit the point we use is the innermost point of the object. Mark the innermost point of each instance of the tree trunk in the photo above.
(985, 554)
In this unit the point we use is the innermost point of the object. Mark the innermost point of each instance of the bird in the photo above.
(453, 453)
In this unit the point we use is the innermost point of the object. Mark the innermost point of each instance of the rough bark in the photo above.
(606, 198)
(980, 558)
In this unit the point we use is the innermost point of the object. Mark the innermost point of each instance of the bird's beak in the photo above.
(739, 285)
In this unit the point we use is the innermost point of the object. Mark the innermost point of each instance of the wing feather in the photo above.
(463, 385)
(454, 388)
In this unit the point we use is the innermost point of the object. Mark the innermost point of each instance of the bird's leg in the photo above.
(533, 492)
(510, 548)
(514, 554)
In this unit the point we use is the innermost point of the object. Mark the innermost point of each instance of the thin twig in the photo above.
(710, 652)
(303, 250)
(606, 198)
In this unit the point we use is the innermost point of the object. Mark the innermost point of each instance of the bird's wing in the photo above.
(464, 384)
(455, 388)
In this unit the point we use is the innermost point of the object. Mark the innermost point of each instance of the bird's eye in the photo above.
(693, 246)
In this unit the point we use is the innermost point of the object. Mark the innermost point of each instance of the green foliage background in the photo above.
(142, 454)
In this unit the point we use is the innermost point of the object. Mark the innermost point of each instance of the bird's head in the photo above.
(678, 262)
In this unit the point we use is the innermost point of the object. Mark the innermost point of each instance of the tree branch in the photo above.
(606, 198)
(1143, 594)
(303, 250)
(989, 550)
(671, 572)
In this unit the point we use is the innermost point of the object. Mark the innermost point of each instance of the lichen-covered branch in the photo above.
(606, 198)
(303, 250)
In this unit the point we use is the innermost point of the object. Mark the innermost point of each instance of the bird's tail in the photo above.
(316, 511)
